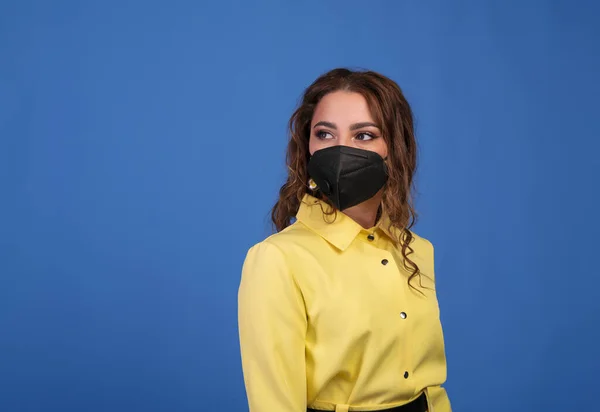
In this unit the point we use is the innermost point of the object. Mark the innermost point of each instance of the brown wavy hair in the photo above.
(391, 110)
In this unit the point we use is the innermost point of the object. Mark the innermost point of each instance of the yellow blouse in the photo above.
(328, 321)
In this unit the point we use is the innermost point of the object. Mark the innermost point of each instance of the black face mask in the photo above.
(347, 175)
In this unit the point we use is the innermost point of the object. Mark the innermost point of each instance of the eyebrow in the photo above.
(354, 126)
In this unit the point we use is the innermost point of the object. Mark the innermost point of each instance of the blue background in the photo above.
(142, 145)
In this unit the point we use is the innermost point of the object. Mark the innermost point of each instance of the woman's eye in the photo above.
(321, 134)
(364, 136)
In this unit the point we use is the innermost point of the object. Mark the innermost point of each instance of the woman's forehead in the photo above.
(343, 108)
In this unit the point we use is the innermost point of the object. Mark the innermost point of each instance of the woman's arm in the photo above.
(272, 327)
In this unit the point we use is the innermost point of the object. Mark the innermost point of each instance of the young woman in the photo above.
(338, 310)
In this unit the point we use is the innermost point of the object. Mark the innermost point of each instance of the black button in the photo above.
(384, 262)
(403, 315)
(371, 237)
(405, 375)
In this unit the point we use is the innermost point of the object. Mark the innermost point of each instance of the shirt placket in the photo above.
(404, 323)
(391, 263)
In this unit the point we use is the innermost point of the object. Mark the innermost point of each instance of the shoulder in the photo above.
(422, 245)
(267, 279)
(279, 247)
(286, 240)
(423, 255)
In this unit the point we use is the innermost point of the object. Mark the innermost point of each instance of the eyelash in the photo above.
(320, 133)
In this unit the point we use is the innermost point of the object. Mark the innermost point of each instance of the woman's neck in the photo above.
(365, 213)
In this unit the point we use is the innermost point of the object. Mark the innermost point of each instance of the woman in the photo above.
(338, 310)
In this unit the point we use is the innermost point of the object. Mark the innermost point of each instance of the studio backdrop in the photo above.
(142, 146)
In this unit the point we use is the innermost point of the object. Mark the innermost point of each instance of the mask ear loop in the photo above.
(380, 210)
(385, 164)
